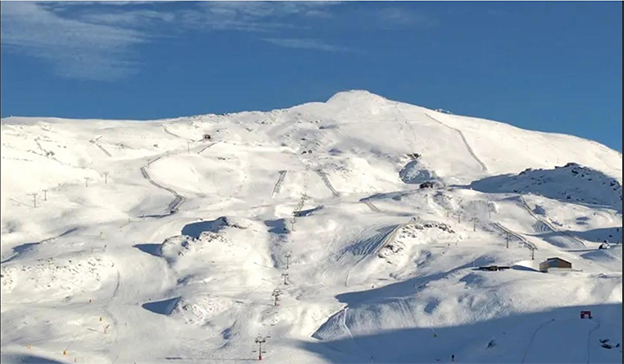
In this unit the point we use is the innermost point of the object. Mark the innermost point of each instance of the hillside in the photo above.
(168, 240)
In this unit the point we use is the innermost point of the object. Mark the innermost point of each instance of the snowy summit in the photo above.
(355, 230)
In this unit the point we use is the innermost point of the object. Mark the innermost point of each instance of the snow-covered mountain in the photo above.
(368, 219)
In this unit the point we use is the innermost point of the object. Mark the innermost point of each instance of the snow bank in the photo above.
(570, 183)
(57, 277)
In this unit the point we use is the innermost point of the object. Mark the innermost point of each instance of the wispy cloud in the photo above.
(254, 16)
(394, 16)
(258, 10)
(134, 18)
(76, 49)
(98, 40)
(306, 43)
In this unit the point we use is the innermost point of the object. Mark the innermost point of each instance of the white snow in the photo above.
(151, 244)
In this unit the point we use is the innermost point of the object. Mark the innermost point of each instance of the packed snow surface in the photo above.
(350, 231)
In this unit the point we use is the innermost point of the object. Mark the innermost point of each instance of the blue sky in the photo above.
(543, 66)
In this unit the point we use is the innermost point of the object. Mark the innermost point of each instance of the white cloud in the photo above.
(98, 41)
(254, 16)
(394, 16)
(76, 48)
(130, 18)
(257, 10)
(306, 43)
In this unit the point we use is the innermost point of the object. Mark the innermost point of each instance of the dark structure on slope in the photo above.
(554, 263)
(494, 268)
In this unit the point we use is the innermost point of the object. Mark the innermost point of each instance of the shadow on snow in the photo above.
(556, 336)
(161, 307)
(151, 249)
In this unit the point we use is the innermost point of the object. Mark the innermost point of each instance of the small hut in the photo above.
(554, 263)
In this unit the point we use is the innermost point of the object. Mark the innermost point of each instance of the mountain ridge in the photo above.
(348, 231)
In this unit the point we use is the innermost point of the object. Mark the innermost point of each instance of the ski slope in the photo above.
(150, 244)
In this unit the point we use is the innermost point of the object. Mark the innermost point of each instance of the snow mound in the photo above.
(356, 175)
(570, 183)
(182, 245)
(416, 172)
(426, 232)
(236, 222)
(52, 278)
(355, 97)
(611, 257)
(418, 234)
(198, 310)
(447, 201)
